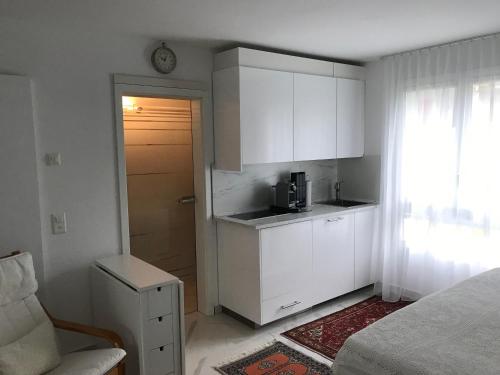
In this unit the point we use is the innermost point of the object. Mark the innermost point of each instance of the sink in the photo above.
(344, 203)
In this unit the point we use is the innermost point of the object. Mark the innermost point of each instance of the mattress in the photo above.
(454, 331)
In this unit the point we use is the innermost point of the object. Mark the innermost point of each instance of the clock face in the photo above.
(164, 60)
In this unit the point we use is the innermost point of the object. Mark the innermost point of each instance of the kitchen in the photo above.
(286, 244)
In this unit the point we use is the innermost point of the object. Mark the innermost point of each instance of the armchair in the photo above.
(21, 313)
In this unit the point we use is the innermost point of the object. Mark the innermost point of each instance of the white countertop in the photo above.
(318, 211)
(135, 272)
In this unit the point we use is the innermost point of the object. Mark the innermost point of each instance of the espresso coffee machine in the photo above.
(291, 195)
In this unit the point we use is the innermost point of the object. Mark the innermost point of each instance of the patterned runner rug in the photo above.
(276, 359)
(326, 335)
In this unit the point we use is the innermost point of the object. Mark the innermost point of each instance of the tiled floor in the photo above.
(215, 340)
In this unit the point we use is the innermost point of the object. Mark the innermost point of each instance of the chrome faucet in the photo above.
(337, 189)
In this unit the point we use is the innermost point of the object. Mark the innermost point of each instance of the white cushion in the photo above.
(20, 311)
(17, 278)
(20, 317)
(25, 328)
(27, 339)
(32, 354)
(89, 362)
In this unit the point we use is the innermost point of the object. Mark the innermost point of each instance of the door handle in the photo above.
(186, 200)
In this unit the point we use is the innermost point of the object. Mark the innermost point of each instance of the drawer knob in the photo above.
(284, 307)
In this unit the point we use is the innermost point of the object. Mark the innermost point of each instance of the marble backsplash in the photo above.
(250, 190)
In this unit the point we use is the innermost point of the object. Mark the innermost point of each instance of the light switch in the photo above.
(53, 159)
(58, 223)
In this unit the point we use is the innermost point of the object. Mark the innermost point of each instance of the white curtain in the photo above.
(440, 190)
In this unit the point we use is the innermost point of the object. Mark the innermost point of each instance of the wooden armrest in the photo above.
(109, 336)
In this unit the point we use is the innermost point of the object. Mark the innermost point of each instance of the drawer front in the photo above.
(158, 332)
(285, 305)
(159, 301)
(333, 257)
(161, 361)
(286, 254)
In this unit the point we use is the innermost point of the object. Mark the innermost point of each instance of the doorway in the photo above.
(158, 145)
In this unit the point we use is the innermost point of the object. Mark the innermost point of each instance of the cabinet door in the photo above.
(286, 259)
(315, 117)
(350, 118)
(227, 135)
(363, 241)
(266, 116)
(333, 257)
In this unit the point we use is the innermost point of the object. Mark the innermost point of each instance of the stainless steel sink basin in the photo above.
(344, 203)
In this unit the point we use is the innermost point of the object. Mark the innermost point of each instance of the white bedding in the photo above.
(455, 331)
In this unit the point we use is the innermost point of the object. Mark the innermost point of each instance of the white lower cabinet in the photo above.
(160, 360)
(146, 307)
(267, 274)
(286, 264)
(286, 269)
(363, 240)
(333, 257)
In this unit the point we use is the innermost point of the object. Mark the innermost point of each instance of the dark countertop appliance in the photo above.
(291, 195)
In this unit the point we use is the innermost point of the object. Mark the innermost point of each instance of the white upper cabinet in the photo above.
(350, 118)
(315, 117)
(271, 107)
(266, 116)
(253, 115)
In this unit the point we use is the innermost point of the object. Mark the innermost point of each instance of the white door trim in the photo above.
(205, 240)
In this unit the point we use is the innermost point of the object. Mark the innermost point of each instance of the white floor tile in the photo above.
(218, 339)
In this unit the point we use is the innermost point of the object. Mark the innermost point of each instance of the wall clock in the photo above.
(163, 59)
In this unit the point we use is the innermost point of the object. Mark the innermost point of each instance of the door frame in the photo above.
(129, 85)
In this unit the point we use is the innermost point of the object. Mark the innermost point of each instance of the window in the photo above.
(451, 173)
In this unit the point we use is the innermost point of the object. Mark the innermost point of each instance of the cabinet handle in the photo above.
(284, 307)
(334, 220)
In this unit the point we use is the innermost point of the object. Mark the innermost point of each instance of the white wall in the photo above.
(71, 75)
(250, 190)
(19, 198)
(362, 175)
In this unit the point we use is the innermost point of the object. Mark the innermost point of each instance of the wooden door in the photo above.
(159, 160)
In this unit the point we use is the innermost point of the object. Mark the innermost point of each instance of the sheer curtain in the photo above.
(440, 190)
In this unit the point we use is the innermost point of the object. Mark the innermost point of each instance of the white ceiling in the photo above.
(344, 29)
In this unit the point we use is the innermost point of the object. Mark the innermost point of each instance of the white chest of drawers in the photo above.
(145, 306)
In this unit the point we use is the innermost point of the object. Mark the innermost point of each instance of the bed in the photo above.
(454, 331)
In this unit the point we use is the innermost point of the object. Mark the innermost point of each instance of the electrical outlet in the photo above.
(53, 159)
(58, 223)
